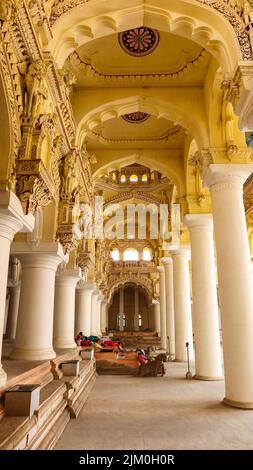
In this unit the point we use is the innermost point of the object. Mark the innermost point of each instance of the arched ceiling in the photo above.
(173, 59)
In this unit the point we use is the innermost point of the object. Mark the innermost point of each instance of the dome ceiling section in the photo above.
(157, 59)
(137, 131)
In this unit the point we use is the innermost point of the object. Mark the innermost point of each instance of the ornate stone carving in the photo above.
(35, 90)
(139, 42)
(32, 192)
(6, 10)
(84, 261)
(231, 15)
(65, 237)
(201, 159)
(60, 7)
(69, 185)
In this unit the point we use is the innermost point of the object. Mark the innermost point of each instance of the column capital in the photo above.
(166, 261)
(12, 217)
(85, 288)
(95, 292)
(182, 252)
(68, 277)
(234, 173)
(160, 269)
(46, 255)
(198, 220)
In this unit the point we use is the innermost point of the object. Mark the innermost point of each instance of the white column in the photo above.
(121, 308)
(204, 293)
(94, 301)
(104, 316)
(182, 303)
(64, 307)
(34, 335)
(12, 317)
(136, 309)
(169, 295)
(12, 220)
(235, 280)
(99, 310)
(163, 330)
(156, 316)
(83, 308)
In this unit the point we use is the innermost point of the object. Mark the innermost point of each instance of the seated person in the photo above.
(79, 338)
(142, 358)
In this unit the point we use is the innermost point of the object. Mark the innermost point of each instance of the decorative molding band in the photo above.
(90, 70)
(59, 8)
(170, 133)
(134, 195)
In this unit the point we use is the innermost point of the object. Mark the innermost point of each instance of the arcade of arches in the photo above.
(125, 104)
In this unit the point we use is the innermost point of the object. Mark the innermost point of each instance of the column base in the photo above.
(3, 377)
(33, 354)
(238, 404)
(66, 345)
(206, 377)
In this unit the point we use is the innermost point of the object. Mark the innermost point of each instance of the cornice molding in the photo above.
(164, 138)
(90, 70)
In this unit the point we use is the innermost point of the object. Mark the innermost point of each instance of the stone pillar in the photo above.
(12, 220)
(169, 295)
(64, 307)
(163, 331)
(182, 303)
(94, 301)
(235, 281)
(83, 308)
(121, 308)
(99, 311)
(156, 316)
(136, 309)
(104, 316)
(12, 317)
(204, 293)
(34, 336)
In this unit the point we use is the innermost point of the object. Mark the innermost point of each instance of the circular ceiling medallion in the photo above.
(139, 41)
(138, 116)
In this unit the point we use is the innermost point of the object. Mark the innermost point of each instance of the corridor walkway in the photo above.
(158, 413)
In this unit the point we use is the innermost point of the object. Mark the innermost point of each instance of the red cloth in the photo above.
(142, 359)
(86, 342)
(110, 344)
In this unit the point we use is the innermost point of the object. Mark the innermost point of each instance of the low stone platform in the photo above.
(112, 363)
(138, 339)
(61, 398)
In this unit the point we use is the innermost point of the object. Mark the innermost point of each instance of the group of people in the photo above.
(109, 345)
(99, 344)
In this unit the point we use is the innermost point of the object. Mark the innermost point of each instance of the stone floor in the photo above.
(164, 413)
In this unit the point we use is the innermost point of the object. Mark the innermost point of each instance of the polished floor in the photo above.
(164, 413)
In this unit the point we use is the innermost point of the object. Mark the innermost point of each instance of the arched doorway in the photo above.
(129, 309)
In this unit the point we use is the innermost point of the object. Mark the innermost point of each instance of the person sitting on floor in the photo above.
(142, 358)
(79, 338)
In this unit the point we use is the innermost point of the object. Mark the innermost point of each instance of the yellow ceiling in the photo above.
(103, 62)
(152, 133)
